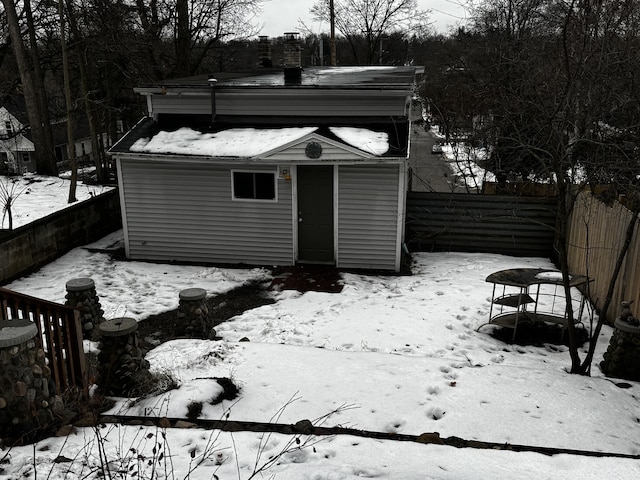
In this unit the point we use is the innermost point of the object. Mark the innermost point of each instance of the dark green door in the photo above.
(315, 214)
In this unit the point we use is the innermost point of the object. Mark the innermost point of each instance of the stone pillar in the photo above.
(81, 294)
(28, 401)
(193, 315)
(122, 369)
(622, 358)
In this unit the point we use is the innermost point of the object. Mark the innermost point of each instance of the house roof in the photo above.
(16, 106)
(373, 137)
(357, 77)
(80, 129)
(174, 130)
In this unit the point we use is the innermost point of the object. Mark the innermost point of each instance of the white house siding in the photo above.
(368, 213)
(17, 149)
(330, 152)
(302, 104)
(185, 212)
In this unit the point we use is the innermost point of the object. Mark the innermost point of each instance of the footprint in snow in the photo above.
(394, 426)
(451, 375)
(433, 390)
(435, 413)
(295, 456)
(497, 358)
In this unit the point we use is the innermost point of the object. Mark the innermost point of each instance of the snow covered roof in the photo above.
(249, 141)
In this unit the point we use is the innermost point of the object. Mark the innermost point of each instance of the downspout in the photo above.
(402, 215)
(123, 207)
(212, 85)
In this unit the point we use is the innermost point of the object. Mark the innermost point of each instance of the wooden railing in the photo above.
(59, 332)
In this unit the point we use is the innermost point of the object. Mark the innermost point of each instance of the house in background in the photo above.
(16, 147)
(83, 146)
(270, 168)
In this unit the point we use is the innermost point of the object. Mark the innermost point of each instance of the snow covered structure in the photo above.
(266, 169)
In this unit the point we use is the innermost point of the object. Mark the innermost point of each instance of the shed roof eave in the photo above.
(163, 157)
(170, 157)
(199, 90)
(116, 145)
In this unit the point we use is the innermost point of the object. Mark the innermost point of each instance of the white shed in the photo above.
(254, 170)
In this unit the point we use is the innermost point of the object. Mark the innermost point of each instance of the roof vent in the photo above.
(291, 60)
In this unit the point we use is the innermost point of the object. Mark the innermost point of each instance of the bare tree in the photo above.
(10, 190)
(80, 47)
(195, 27)
(71, 144)
(365, 23)
(38, 118)
(559, 76)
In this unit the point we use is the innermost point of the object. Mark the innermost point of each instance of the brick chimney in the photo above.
(292, 59)
(264, 52)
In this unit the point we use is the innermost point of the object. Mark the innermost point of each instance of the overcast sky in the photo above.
(279, 16)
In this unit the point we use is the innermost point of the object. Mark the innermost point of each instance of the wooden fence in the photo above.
(596, 234)
(59, 331)
(505, 224)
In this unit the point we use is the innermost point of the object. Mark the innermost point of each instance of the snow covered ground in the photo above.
(389, 353)
(400, 352)
(36, 196)
(463, 161)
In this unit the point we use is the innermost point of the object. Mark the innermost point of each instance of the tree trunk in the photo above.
(67, 95)
(183, 39)
(332, 38)
(563, 259)
(96, 147)
(38, 79)
(45, 158)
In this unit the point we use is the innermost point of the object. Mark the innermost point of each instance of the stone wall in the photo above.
(28, 401)
(622, 358)
(31, 246)
(122, 368)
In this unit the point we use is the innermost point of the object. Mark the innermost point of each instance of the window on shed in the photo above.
(254, 185)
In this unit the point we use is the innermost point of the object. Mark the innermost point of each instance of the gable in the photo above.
(15, 107)
(7, 116)
(316, 147)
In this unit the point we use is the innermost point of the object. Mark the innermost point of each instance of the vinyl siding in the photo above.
(330, 152)
(272, 104)
(368, 217)
(185, 213)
